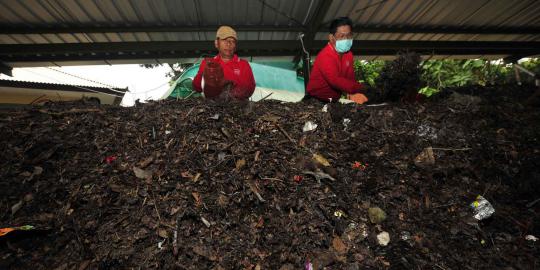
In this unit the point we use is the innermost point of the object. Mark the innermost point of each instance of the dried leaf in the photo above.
(320, 175)
(270, 118)
(116, 188)
(25, 174)
(339, 246)
(163, 233)
(197, 197)
(38, 170)
(255, 190)
(143, 164)
(425, 158)
(186, 174)
(260, 223)
(196, 177)
(223, 200)
(321, 160)
(16, 207)
(204, 252)
(240, 163)
(142, 174)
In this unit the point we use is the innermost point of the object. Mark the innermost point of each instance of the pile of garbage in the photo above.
(195, 184)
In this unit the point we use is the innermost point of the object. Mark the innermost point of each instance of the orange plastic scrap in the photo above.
(358, 98)
(4, 231)
(359, 165)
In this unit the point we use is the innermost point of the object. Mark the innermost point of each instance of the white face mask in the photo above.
(344, 45)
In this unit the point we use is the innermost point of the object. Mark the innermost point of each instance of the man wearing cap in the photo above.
(333, 71)
(225, 75)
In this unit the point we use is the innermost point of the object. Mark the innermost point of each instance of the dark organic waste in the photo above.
(399, 79)
(170, 185)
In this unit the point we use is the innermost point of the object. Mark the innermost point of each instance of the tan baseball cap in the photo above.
(226, 32)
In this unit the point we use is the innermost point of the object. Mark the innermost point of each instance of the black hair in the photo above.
(341, 21)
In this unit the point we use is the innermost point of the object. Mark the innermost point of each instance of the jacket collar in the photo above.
(234, 59)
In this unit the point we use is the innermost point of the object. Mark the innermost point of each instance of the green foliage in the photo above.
(368, 71)
(428, 91)
(532, 65)
(440, 74)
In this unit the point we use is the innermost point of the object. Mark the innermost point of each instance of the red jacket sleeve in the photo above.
(330, 73)
(245, 86)
(198, 78)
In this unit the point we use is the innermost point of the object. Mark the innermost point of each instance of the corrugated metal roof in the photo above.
(56, 13)
(440, 13)
(86, 21)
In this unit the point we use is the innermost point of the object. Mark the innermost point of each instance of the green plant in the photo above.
(368, 71)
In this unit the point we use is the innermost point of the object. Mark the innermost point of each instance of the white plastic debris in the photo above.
(482, 208)
(160, 244)
(531, 238)
(383, 238)
(325, 108)
(346, 122)
(167, 132)
(215, 116)
(309, 126)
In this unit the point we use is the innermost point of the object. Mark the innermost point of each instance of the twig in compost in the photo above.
(71, 111)
(531, 204)
(285, 133)
(155, 207)
(451, 149)
(267, 96)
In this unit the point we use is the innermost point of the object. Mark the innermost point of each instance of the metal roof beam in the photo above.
(441, 29)
(152, 50)
(38, 29)
(316, 22)
(5, 69)
(312, 28)
(313, 25)
(197, 46)
(512, 59)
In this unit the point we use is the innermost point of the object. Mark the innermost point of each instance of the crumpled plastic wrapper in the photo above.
(309, 126)
(482, 208)
(346, 122)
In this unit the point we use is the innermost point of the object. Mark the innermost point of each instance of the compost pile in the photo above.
(196, 184)
(399, 79)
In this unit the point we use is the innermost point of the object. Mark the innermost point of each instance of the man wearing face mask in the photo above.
(225, 76)
(333, 71)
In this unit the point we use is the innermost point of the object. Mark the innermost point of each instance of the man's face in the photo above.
(342, 32)
(226, 47)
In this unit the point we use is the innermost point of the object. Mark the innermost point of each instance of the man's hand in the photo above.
(214, 79)
(213, 73)
(226, 93)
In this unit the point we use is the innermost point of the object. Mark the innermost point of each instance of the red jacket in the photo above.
(332, 76)
(237, 71)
